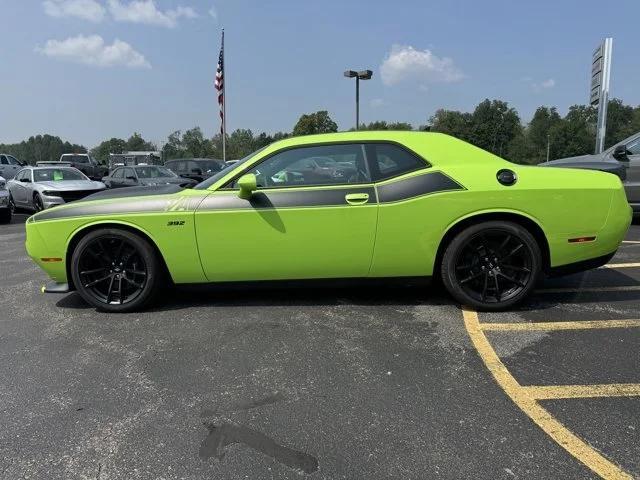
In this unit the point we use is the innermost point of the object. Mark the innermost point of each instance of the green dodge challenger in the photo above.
(344, 205)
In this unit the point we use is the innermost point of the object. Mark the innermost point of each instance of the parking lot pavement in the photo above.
(370, 382)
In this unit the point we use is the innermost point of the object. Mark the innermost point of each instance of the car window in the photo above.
(128, 172)
(633, 147)
(12, 160)
(179, 167)
(21, 174)
(118, 173)
(57, 174)
(3, 160)
(390, 160)
(296, 167)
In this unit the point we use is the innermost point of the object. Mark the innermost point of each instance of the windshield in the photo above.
(214, 178)
(75, 158)
(57, 174)
(209, 166)
(154, 172)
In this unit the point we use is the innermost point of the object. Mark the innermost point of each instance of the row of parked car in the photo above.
(77, 176)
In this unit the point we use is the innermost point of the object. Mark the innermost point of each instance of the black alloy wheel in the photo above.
(115, 270)
(492, 266)
(37, 202)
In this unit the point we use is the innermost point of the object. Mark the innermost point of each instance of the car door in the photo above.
(632, 182)
(21, 188)
(291, 227)
(130, 177)
(117, 178)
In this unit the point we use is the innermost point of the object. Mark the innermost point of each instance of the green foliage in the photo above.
(318, 122)
(382, 125)
(113, 145)
(138, 144)
(41, 148)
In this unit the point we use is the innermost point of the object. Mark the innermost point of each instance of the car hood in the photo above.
(64, 185)
(128, 200)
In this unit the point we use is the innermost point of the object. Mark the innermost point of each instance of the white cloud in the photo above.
(146, 11)
(544, 85)
(405, 62)
(92, 50)
(86, 9)
(376, 102)
(213, 12)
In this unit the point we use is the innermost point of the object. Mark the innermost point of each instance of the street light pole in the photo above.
(362, 75)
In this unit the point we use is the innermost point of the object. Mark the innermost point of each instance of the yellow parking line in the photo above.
(577, 447)
(577, 325)
(624, 288)
(621, 265)
(553, 392)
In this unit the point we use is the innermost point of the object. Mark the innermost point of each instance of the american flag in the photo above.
(219, 84)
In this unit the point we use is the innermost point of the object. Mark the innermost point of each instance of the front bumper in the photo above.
(55, 287)
(4, 199)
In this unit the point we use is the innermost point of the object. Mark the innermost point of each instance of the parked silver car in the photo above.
(6, 208)
(9, 166)
(38, 188)
(623, 159)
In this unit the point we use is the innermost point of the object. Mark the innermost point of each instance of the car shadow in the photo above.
(374, 293)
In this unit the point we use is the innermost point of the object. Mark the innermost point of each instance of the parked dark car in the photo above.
(83, 162)
(145, 175)
(622, 159)
(197, 169)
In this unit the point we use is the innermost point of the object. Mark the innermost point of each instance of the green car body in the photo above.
(396, 227)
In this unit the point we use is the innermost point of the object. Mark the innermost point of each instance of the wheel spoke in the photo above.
(512, 252)
(104, 251)
(95, 282)
(512, 280)
(135, 284)
(503, 245)
(117, 257)
(495, 281)
(486, 284)
(95, 270)
(137, 272)
(471, 277)
(110, 290)
(515, 269)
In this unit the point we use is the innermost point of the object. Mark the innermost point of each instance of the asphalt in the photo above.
(376, 382)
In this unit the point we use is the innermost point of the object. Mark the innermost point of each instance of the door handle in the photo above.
(356, 198)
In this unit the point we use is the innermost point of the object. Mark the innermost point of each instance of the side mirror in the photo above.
(247, 184)
(620, 153)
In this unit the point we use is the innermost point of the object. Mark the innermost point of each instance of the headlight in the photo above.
(49, 193)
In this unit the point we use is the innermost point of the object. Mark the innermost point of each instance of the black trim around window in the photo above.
(369, 161)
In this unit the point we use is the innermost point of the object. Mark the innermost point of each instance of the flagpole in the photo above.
(224, 106)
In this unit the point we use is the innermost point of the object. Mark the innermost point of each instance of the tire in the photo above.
(37, 202)
(491, 266)
(115, 270)
(12, 204)
(5, 215)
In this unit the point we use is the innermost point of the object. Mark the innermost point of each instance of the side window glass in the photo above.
(339, 164)
(634, 147)
(3, 160)
(128, 172)
(391, 160)
(12, 161)
(118, 173)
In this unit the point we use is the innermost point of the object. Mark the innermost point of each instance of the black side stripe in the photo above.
(411, 187)
(265, 199)
(429, 183)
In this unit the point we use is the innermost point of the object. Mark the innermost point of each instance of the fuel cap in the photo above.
(507, 177)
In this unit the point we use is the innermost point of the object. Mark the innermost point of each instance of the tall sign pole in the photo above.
(600, 79)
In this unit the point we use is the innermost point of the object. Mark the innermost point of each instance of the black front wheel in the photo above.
(492, 265)
(116, 270)
(38, 205)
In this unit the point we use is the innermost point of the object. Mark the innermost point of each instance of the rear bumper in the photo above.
(580, 266)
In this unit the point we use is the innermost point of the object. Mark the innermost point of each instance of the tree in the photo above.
(451, 122)
(173, 148)
(113, 145)
(193, 143)
(138, 144)
(576, 133)
(318, 122)
(531, 145)
(494, 125)
(620, 123)
(383, 125)
(40, 148)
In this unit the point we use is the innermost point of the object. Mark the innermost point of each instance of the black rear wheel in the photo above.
(115, 270)
(492, 265)
(37, 202)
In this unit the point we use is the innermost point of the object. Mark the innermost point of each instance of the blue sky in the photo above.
(88, 70)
